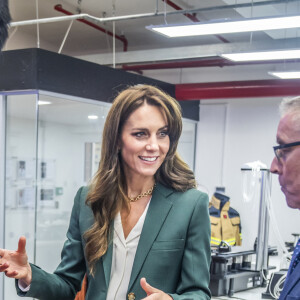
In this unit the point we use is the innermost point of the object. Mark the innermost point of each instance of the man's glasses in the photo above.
(279, 150)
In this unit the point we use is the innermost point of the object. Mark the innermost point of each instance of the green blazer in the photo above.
(173, 253)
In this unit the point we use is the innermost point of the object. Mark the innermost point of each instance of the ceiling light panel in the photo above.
(286, 75)
(263, 55)
(43, 102)
(227, 26)
(92, 117)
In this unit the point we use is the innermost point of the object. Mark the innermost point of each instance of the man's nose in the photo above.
(275, 166)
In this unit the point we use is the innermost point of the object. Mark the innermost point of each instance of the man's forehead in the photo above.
(289, 128)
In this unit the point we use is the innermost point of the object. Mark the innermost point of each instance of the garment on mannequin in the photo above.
(225, 221)
(223, 198)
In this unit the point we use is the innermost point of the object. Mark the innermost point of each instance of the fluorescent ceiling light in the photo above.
(263, 55)
(42, 102)
(93, 117)
(286, 75)
(227, 26)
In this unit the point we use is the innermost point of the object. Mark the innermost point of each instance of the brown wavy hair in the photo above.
(108, 190)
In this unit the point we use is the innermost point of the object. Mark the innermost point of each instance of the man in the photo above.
(4, 21)
(286, 164)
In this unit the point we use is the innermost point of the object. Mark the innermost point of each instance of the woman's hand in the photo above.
(15, 263)
(153, 293)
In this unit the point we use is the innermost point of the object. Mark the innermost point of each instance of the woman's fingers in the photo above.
(11, 274)
(14, 263)
(3, 266)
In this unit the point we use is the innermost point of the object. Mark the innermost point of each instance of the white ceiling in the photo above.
(83, 39)
(144, 45)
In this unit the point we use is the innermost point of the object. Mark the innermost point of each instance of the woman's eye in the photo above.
(163, 133)
(139, 134)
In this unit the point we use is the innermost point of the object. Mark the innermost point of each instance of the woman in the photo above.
(140, 230)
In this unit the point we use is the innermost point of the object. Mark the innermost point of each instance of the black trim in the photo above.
(38, 69)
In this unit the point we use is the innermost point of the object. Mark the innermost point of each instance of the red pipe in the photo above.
(237, 89)
(176, 7)
(192, 17)
(59, 8)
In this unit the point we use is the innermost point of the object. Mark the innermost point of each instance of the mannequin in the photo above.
(225, 221)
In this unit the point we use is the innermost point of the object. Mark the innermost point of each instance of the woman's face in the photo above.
(144, 142)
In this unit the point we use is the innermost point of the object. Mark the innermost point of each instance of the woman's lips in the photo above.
(148, 158)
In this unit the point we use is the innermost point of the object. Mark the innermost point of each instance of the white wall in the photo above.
(246, 133)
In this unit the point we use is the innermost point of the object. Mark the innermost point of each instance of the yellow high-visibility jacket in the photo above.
(225, 223)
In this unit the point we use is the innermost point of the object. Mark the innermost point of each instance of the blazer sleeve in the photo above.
(194, 279)
(64, 283)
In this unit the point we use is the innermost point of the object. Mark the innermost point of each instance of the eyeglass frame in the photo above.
(284, 146)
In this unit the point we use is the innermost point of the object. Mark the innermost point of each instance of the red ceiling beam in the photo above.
(237, 89)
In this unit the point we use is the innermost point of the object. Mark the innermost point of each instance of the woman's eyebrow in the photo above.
(165, 127)
(146, 129)
(139, 128)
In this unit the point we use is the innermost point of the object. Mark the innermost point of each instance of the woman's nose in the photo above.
(152, 144)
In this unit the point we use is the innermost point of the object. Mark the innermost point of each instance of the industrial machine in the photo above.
(232, 271)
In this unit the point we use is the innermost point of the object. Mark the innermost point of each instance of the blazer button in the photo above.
(131, 296)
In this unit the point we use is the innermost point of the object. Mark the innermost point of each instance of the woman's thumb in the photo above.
(147, 287)
(22, 245)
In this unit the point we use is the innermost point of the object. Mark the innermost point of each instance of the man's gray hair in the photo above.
(289, 105)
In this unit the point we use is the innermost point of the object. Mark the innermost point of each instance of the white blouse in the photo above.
(123, 257)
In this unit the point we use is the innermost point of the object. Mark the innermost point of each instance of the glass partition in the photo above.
(65, 128)
(52, 148)
(20, 177)
(47, 160)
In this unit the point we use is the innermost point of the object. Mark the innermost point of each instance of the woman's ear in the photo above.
(119, 145)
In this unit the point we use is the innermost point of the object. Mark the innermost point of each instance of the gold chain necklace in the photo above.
(147, 193)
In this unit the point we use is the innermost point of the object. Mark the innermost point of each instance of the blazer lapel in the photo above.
(292, 280)
(157, 212)
(107, 257)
